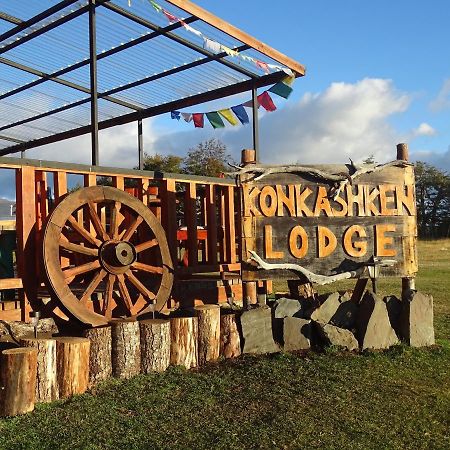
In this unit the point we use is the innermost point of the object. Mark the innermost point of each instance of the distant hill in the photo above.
(5, 209)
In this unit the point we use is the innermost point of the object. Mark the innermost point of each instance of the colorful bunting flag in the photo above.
(249, 104)
(170, 17)
(228, 115)
(175, 115)
(211, 45)
(262, 65)
(281, 89)
(241, 114)
(190, 29)
(229, 51)
(198, 120)
(187, 117)
(215, 120)
(265, 100)
(156, 6)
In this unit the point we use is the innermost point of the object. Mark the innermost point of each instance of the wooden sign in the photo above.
(329, 227)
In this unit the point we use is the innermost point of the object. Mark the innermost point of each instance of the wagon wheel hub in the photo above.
(116, 257)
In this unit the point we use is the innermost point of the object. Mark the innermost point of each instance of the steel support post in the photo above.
(93, 82)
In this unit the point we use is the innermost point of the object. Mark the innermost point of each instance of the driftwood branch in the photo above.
(339, 180)
(311, 277)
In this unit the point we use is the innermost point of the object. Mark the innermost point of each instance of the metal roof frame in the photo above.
(67, 10)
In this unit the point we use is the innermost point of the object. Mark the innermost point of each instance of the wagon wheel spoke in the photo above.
(92, 286)
(146, 245)
(147, 268)
(82, 232)
(137, 221)
(108, 301)
(97, 222)
(125, 293)
(78, 270)
(115, 223)
(139, 286)
(138, 305)
(77, 248)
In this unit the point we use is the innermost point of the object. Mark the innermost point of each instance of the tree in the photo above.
(163, 163)
(432, 200)
(208, 158)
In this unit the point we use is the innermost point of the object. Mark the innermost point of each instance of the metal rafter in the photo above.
(150, 112)
(9, 18)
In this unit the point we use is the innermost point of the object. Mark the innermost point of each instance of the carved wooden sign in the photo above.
(329, 227)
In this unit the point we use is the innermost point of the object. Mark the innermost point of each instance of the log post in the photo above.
(230, 341)
(17, 381)
(408, 283)
(155, 345)
(126, 349)
(100, 363)
(72, 361)
(184, 339)
(208, 332)
(46, 382)
(248, 157)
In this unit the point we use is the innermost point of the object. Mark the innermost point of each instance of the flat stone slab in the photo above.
(416, 320)
(327, 309)
(257, 331)
(287, 307)
(297, 334)
(345, 315)
(338, 337)
(374, 330)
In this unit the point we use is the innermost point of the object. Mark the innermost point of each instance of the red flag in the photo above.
(170, 17)
(262, 65)
(198, 120)
(265, 100)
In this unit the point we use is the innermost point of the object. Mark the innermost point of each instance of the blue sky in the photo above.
(378, 73)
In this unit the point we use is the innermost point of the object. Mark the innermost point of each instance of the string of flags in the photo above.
(216, 47)
(237, 113)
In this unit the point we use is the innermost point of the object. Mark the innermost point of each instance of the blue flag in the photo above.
(241, 113)
(175, 115)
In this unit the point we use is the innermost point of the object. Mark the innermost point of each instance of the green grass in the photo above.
(395, 399)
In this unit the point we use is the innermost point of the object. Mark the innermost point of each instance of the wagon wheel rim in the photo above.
(108, 236)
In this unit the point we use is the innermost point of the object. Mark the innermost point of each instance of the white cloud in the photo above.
(424, 129)
(442, 100)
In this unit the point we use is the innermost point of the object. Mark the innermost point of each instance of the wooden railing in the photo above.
(199, 214)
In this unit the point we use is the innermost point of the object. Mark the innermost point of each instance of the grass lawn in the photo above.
(395, 399)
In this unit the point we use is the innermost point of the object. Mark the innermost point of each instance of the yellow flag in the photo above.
(288, 80)
(229, 116)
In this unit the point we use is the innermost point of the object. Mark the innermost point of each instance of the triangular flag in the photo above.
(211, 45)
(175, 115)
(265, 100)
(215, 120)
(247, 58)
(198, 120)
(229, 51)
(281, 89)
(241, 113)
(189, 28)
(155, 5)
(262, 65)
(170, 17)
(187, 117)
(228, 115)
(249, 104)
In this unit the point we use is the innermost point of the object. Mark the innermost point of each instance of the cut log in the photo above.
(17, 381)
(230, 342)
(208, 332)
(155, 345)
(46, 382)
(100, 363)
(184, 338)
(126, 350)
(72, 360)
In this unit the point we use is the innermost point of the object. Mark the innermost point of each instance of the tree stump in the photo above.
(184, 336)
(72, 360)
(126, 350)
(100, 362)
(208, 332)
(46, 382)
(18, 368)
(155, 345)
(230, 341)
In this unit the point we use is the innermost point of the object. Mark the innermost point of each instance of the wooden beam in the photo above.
(238, 34)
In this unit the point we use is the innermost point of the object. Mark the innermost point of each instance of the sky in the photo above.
(377, 74)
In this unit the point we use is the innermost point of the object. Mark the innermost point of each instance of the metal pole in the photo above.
(140, 145)
(93, 82)
(255, 122)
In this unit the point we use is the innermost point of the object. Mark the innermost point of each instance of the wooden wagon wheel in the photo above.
(106, 255)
